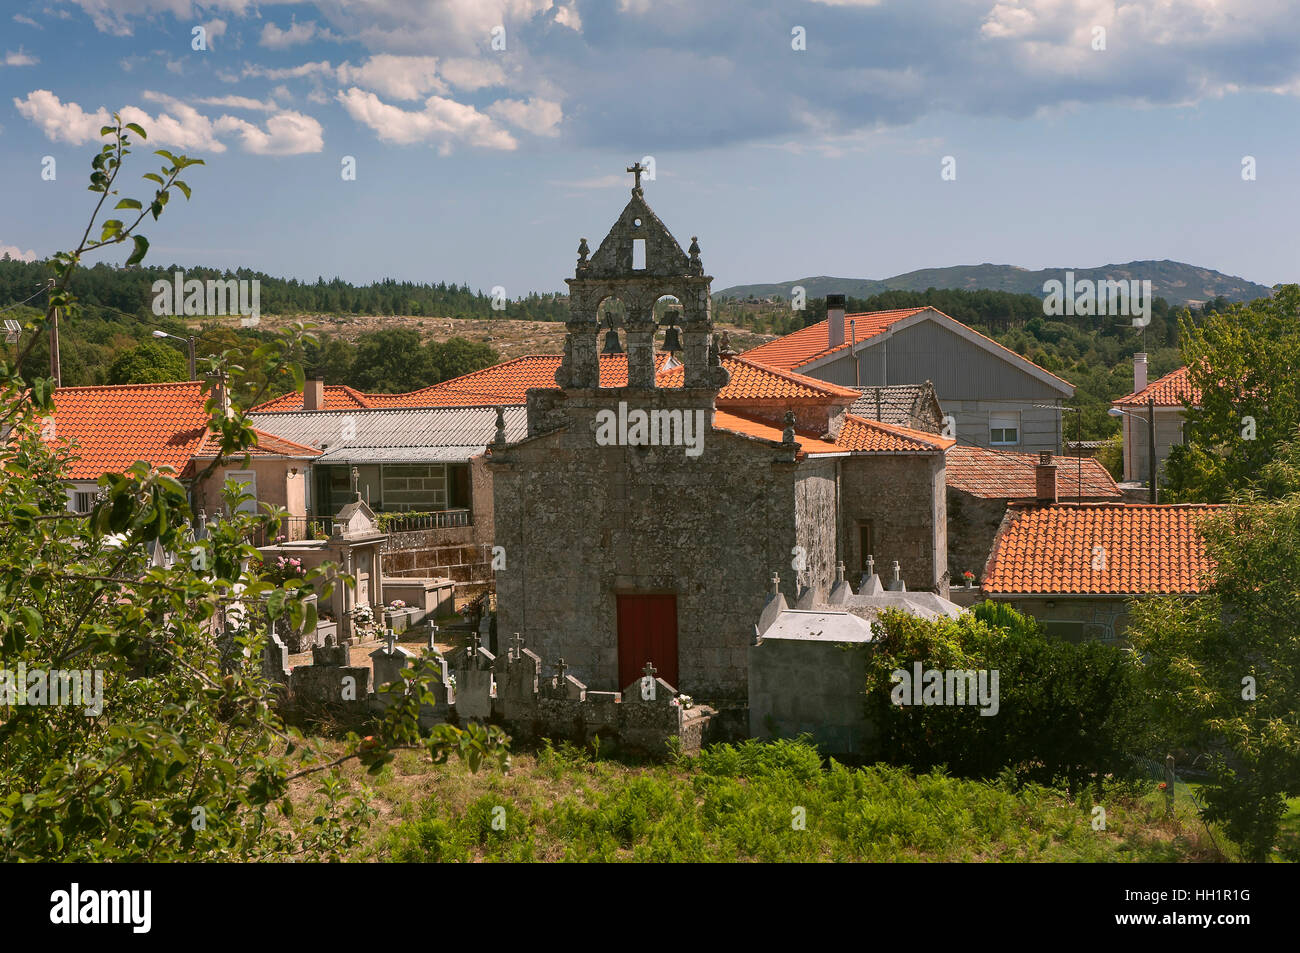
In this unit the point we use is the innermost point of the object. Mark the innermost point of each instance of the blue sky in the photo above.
(485, 166)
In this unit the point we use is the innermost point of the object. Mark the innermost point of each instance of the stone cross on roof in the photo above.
(391, 638)
(356, 482)
(560, 668)
(475, 643)
(517, 645)
(649, 670)
(636, 168)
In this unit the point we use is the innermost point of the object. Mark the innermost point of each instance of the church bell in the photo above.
(611, 337)
(672, 342)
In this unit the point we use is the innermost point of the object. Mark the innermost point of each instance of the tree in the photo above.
(390, 362)
(150, 362)
(1243, 361)
(330, 360)
(178, 753)
(456, 356)
(1224, 668)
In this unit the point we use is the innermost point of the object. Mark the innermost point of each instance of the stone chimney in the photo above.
(1139, 372)
(1045, 476)
(835, 320)
(313, 395)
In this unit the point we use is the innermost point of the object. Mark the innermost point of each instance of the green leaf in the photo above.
(154, 176)
(129, 203)
(137, 129)
(141, 249)
(183, 187)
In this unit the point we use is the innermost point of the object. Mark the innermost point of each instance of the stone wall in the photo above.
(582, 523)
(806, 686)
(454, 553)
(902, 495)
(973, 522)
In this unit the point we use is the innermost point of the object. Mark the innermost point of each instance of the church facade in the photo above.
(654, 495)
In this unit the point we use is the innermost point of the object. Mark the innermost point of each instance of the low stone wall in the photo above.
(472, 684)
(453, 553)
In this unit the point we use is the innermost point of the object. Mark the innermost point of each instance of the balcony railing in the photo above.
(321, 527)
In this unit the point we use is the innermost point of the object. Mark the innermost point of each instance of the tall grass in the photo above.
(773, 802)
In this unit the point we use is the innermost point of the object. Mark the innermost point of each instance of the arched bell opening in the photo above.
(668, 335)
(611, 314)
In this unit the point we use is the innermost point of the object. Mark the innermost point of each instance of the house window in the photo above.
(866, 545)
(83, 501)
(1004, 429)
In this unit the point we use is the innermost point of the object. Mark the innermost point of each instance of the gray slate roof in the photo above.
(399, 435)
(898, 403)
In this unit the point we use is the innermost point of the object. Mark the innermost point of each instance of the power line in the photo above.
(40, 292)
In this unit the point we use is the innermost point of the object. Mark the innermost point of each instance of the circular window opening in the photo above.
(636, 223)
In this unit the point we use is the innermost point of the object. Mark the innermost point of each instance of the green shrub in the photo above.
(1067, 713)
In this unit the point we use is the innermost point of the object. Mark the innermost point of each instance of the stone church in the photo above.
(660, 486)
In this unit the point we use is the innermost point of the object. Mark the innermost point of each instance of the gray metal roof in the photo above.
(399, 435)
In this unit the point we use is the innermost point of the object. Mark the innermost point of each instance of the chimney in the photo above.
(313, 395)
(1045, 477)
(835, 320)
(1139, 372)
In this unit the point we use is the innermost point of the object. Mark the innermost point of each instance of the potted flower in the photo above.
(397, 605)
(364, 618)
(970, 579)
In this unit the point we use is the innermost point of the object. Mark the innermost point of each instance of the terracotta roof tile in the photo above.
(857, 435)
(1169, 391)
(337, 397)
(268, 445)
(1003, 475)
(111, 427)
(752, 380)
(1058, 549)
(812, 342)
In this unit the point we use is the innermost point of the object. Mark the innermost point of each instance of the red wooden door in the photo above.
(647, 632)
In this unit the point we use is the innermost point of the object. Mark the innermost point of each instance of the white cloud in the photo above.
(26, 21)
(238, 102)
(442, 121)
(274, 38)
(115, 16)
(568, 16)
(13, 251)
(214, 29)
(286, 134)
(399, 77)
(472, 73)
(541, 117)
(62, 122)
(178, 124)
(20, 58)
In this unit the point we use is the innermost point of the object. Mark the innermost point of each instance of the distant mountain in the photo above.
(1176, 282)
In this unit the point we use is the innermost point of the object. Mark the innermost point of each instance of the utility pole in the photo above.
(56, 369)
(1151, 445)
(193, 372)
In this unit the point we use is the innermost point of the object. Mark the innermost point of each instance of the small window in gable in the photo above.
(1004, 429)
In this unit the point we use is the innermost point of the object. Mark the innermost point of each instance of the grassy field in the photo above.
(749, 802)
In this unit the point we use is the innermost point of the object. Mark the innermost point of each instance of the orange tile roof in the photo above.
(509, 382)
(1169, 391)
(1147, 548)
(268, 445)
(1003, 475)
(111, 427)
(857, 434)
(751, 380)
(337, 397)
(808, 344)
